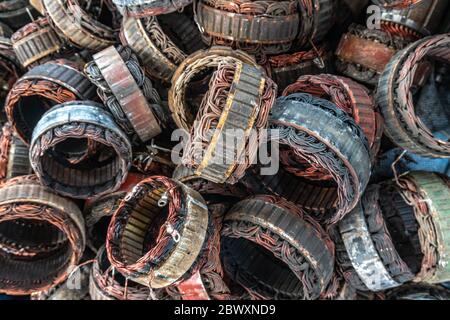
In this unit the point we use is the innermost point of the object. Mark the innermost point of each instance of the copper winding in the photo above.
(205, 187)
(362, 54)
(78, 26)
(13, 155)
(251, 219)
(9, 66)
(258, 16)
(427, 195)
(23, 199)
(5, 143)
(36, 43)
(16, 13)
(152, 226)
(212, 116)
(52, 83)
(419, 291)
(194, 65)
(285, 67)
(400, 30)
(377, 262)
(348, 95)
(98, 173)
(160, 51)
(96, 209)
(409, 69)
(414, 21)
(106, 284)
(310, 141)
(111, 71)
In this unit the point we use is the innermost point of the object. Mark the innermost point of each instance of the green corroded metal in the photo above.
(434, 189)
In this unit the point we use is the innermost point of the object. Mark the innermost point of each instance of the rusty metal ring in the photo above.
(159, 52)
(207, 279)
(275, 251)
(71, 125)
(79, 278)
(370, 247)
(73, 23)
(24, 202)
(204, 187)
(317, 18)
(413, 22)
(427, 194)
(126, 91)
(419, 291)
(351, 97)
(177, 219)
(362, 54)
(98, 210)
(14, 159)
(105, 284)
(36, 43)
(407, 124)
(193, 65)
(144, 8)
(16, 13)
(238, 100)
(42, 87)
(219, 23)
(10, 70)
(326, 138)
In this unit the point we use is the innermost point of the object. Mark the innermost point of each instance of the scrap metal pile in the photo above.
(225, 149)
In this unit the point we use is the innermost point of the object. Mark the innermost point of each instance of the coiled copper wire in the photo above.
(210, 111)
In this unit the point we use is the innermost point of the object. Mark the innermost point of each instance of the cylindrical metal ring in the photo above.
(10, 70)
(158, 231)
(75, 287)
(274, 251)
(70, 126)
(409, 121)
(41, 88)
(145, 8)
(238, 101)
(16, 13)
(370, 247)
(42, 236)
(193, 65)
